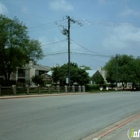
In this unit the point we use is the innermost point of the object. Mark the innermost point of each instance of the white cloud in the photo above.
(128, 11)
(123, 37)
(61, 5)
(3, 9)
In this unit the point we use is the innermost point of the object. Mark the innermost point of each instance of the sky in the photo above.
(102, 28)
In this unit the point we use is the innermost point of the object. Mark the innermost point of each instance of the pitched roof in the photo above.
(91, 72)
(49, 73)
(43, 68)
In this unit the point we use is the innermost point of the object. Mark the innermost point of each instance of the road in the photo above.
(69, 117)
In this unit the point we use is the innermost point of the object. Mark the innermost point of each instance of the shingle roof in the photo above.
(43, 68)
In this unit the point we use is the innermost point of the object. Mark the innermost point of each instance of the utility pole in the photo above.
(69, 20)
(117, 71)
(67, 32)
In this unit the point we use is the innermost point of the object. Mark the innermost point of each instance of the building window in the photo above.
(21, 73)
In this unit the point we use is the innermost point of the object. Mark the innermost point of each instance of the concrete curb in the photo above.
(110, 129)
(40, 95)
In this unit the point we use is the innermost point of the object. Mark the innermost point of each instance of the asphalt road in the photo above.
(64, 117)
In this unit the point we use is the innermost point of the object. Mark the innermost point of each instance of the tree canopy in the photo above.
(16, 48)
(76, 74)
(125, 67)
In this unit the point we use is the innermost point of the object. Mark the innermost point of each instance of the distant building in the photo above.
(23, 75)
(92, 72)
(103, 73)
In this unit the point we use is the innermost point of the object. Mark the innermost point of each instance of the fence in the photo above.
(13, 90)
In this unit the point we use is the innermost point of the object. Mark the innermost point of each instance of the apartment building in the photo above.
(24, 75)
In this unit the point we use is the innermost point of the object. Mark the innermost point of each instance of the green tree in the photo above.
(76, 74)
(38, 80)
(33, 50)
(127, 67)
(16, 48)
(136, 69)
(97, 78)
(110, 68)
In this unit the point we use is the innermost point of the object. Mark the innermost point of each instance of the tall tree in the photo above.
(16, 48)
(125, 67)
(136, 69)
(76, 74)
(34, 50)
(110, 68)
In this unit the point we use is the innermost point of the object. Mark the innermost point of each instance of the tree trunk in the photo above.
(7, 78)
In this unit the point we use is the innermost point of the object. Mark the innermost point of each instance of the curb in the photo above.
(109, 129)
(40, 95)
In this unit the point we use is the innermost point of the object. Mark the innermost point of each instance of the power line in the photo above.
(40, 26)
(80, 53)
(109, 23)
(82, 46)
(53, 42)
(91, 54)
(101, 59)
(39, 29)
(90, 50)
(56, 53)
(48, 25)
(30, 14)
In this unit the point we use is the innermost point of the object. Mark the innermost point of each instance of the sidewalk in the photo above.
(124, 132)
(121, 130)
(40, 95)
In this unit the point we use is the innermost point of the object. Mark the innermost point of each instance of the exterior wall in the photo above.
(32, 73)
(103, 73)
(25, 74)
(36, 72)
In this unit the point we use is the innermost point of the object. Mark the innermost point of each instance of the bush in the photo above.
(92, 87)
(38, 80)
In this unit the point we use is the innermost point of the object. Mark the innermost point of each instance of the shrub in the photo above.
(38, 80)
(92, 87)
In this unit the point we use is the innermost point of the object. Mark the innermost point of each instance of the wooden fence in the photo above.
(14, 90)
